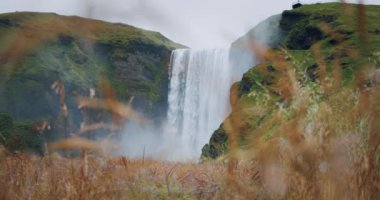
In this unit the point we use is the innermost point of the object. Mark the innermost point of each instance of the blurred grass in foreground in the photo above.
(320, 140)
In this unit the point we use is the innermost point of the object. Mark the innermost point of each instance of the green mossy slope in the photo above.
(312, 36)
(37, 49)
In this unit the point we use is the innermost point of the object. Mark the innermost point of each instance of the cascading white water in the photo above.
(200, 82)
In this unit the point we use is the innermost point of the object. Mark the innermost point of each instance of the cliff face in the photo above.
(321, 48)
(36, 49)
(88, 57)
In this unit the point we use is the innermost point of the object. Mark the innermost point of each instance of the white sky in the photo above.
(194, 23)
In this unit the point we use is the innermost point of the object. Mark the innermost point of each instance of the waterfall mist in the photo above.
(198, 99)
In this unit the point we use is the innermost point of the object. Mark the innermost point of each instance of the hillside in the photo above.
(38, 49)
(308, 84)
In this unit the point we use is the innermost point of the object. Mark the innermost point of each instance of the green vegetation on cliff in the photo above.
(326, 53)
(37, 49)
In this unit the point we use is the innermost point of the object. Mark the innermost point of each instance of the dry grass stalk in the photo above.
(92, 127)
(59, 89)
(113, 106)
(75, 143)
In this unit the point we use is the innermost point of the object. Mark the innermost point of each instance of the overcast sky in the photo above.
(194, 23)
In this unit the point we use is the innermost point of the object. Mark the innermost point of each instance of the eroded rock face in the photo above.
(137, 65)
(301, 33)
(217, 145)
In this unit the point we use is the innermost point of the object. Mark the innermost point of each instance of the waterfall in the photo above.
(198, 99)
(200, 82)
(199, 88)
